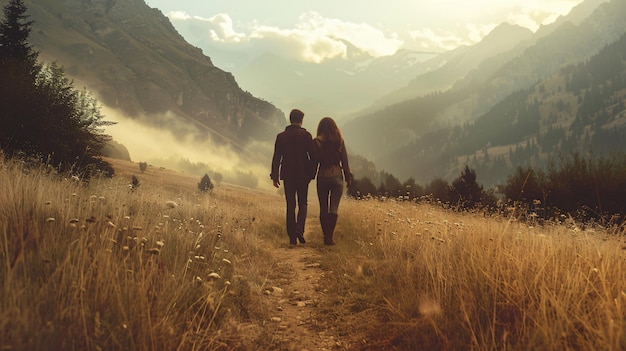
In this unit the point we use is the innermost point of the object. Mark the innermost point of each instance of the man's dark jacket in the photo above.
(293, 154)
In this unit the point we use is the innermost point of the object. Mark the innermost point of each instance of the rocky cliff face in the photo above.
(133, 59)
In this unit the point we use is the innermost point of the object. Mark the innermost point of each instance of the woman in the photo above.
(333, 169)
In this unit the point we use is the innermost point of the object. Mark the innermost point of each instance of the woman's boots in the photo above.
(328, 221)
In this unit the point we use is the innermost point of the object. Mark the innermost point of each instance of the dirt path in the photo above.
(295, 295)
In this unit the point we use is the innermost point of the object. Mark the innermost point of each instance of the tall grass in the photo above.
(96, 266)
(430, 279)
(99, 267)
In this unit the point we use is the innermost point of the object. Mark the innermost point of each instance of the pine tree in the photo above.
(466, 190)
(205, 183)
(14, 33)
(41, 113)
(18, 71)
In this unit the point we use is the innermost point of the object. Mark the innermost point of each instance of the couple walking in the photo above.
(298, 159)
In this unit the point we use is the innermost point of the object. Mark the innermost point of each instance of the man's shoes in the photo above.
(301, 238)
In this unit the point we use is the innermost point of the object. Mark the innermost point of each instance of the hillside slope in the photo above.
(133, 59)
(378, 134)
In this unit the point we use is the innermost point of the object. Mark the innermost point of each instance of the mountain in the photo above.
(457, 63)
(337, 87)
(376, 135)
(580, 109)
(134, 60)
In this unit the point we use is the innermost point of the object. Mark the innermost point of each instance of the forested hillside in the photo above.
(135, 61)
(582, 108)
(428, 136)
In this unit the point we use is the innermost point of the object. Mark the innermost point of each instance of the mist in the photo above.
(182, 147)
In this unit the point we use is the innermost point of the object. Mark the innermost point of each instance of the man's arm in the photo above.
(314, 157)
(276, 160)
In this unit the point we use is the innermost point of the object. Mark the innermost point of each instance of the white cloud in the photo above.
(531, 18)
(427, 39)
(223, 30)
(315, 38)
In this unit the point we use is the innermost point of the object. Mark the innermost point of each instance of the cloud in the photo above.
(532, 18)
(427, 39)
(223, 29)
(314, 38)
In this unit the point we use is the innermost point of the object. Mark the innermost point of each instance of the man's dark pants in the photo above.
(296, 191)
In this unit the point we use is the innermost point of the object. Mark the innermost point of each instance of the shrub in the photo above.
(465, 191)
(205, 183)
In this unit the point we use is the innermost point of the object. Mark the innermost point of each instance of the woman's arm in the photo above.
(347, 175)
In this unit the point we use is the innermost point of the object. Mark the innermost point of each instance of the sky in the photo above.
(314, 30)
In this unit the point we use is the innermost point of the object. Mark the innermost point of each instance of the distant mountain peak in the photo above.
(507, 32)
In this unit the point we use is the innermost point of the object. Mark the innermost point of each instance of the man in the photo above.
(292, 164)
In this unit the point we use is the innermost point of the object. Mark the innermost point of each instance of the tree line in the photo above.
(584, 188)
(42, 114)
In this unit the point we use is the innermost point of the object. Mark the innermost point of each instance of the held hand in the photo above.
(350, 180)
(277, 184)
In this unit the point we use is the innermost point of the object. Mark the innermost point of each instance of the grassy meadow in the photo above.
(98, 266)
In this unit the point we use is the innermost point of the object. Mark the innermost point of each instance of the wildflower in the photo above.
(73, 220)
(50, 219)
(154, 251)
(160, 243)
(110, 224)
(225, 260)
(214, 275)
(171, 204)
(198, 279)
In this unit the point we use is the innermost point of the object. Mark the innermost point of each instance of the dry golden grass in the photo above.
(97, 266)
(165, 267)
(425, 278)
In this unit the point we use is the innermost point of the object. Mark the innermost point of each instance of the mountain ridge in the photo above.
(482, 88)
(134, 60)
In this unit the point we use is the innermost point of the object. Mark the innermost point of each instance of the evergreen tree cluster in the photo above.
(41, 113)
(464, 193)
(583, 188)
